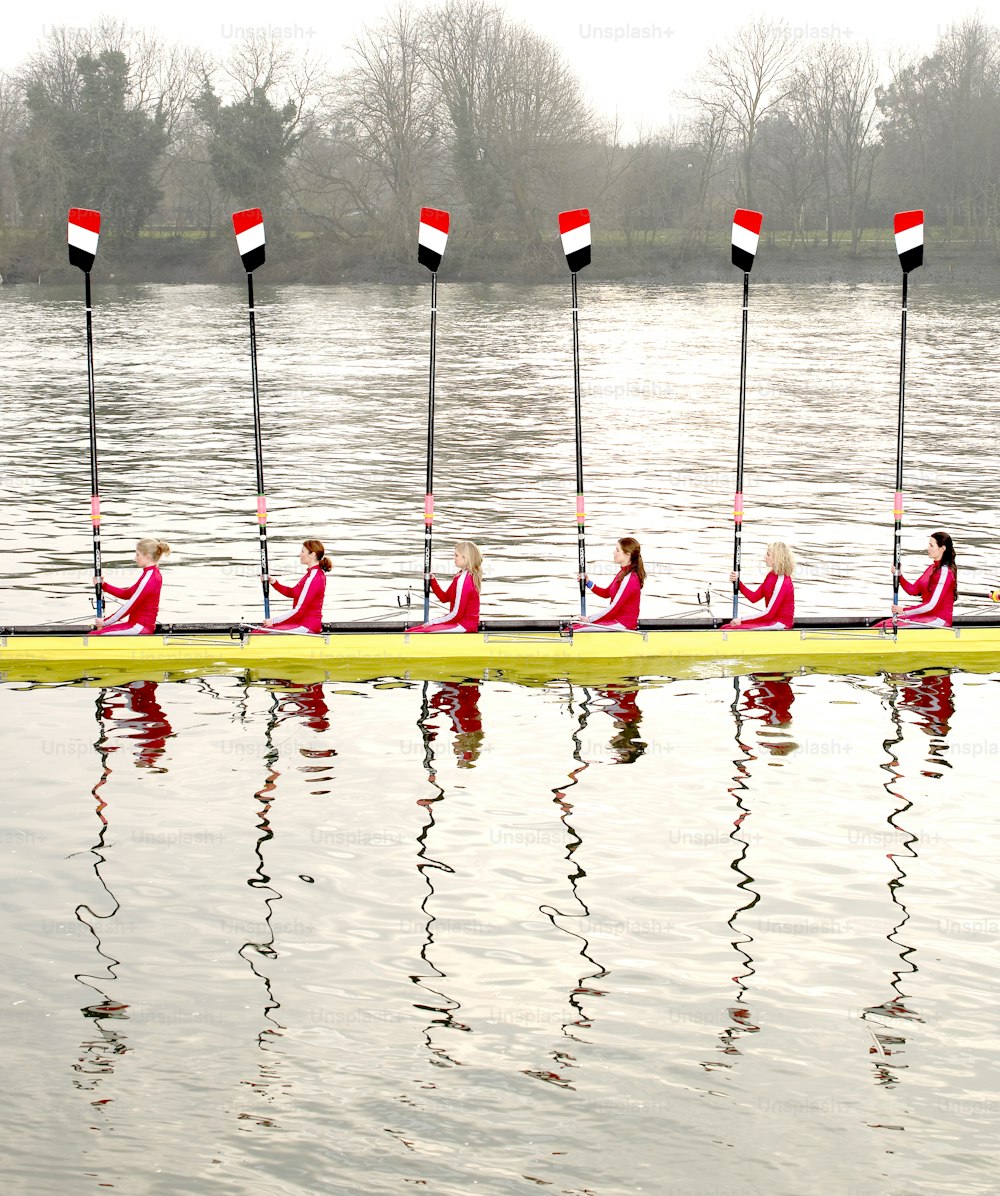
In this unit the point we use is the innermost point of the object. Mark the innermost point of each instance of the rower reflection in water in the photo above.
(460, 703)
(624, 591)
(462, 596)
(622, 706)
(136, 706)
(776, 589)
(937, 588)
(306, 616)
(769, 699)
(141, 600)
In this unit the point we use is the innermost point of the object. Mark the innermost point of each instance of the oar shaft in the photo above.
(95, 496)
(741, 427)
(258, 452)
(429, 488)
(581, 517)
(897, 538)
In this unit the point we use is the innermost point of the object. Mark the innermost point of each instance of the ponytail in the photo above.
(631, 545)
(153, 548)
(316, 547)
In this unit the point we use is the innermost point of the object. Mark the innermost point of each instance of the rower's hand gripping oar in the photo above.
(909, 230)
(84, 227)
(746, 234)
(574, 229)
(432, 237)
(249, 228)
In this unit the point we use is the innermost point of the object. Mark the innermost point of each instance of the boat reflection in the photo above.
(130, 720)
(929, 699)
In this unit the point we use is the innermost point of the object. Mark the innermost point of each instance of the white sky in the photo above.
(630, 57)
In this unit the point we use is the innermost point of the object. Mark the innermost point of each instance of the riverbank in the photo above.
(322, 260)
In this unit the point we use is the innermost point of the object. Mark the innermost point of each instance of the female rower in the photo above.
(937, 588)
(776, 589)
(141, 600)
(306, 616)
(462, 595)
(624, 591)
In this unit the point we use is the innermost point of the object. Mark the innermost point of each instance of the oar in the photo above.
(432, 237)
(746, 234)
(249, 228)
(82, 234)
(909, 230)
(574, 229)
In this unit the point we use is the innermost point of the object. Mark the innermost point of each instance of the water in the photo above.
(670, 936)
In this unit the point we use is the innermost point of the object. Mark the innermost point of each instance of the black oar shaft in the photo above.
(581, 518)
(95, 495)
(429, 489)
(740, 437)
(258, 452)
(898, 502)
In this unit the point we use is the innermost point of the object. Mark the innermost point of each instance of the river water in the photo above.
(671, 936)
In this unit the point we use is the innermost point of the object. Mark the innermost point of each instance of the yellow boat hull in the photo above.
(531, 654)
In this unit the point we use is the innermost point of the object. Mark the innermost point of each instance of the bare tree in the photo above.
(854, 133)
(386, 105)
(746, 80)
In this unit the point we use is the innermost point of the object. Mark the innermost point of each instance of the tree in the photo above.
(746, 80)
(251, 140)
(516, 118)
(386, 106)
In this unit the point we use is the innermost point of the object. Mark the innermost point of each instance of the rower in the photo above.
(306, 616)
(937, 588)
(141, 600)
(776, 589)
(624, 591)
(462, 596)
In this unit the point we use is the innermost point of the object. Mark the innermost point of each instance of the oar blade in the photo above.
(746, 234)
(432, 237)
(574, 230)
(909, 230)
(84, 227)
(249, 228)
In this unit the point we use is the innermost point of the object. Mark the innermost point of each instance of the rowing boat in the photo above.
(352, 650)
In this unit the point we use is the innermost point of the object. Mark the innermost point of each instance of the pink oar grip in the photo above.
(95, 508)
(581, 514)
(738, 506)
(261, 509)
(897, 506)
(428, 508)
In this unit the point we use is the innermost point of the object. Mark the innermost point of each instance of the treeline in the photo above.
(458, 106)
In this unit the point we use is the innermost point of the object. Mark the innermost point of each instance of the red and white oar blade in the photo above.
(432, 237)
(909, 230)
(249, 228)
(84, 229)
(746, 234)
(574, 229)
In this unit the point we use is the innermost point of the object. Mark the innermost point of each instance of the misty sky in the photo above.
(633, 69)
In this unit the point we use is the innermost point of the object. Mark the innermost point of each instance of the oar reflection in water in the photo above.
(437, 1002)
(930, 699)
(133, 714)
(288, 703)
(771, 703)
(580, 1019)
